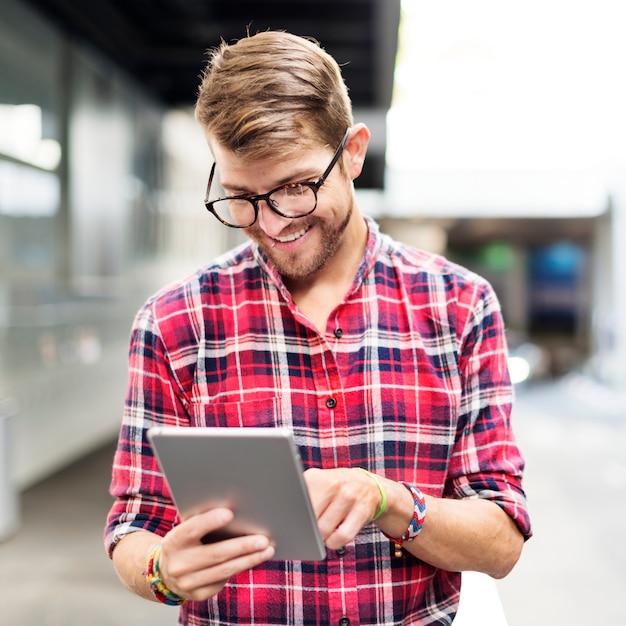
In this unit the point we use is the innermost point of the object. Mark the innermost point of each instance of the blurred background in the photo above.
(499, 140)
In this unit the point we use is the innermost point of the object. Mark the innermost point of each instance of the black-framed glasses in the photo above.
(291, 200)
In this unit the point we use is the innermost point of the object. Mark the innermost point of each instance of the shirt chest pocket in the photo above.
(265, 412)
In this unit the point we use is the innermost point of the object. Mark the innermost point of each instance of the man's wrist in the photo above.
(416, 523)
(152, 575)
(382, 507)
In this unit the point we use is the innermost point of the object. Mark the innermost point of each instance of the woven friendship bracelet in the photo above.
(152, 575)
(417, 521)
(383, 495)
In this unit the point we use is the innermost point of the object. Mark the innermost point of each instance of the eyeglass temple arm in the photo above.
(338, 153)
(208, 187)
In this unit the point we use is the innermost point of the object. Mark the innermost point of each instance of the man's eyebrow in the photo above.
(234, 190)
(293, 178)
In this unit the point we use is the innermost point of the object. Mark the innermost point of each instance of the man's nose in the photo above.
(270, 222)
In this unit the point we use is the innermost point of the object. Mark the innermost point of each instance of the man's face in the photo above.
(299, 247)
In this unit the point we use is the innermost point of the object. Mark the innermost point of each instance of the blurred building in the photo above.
(507, 151)
(102, 174)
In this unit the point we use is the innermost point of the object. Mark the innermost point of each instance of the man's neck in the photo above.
(318, 295)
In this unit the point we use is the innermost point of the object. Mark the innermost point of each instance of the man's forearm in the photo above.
(458, 535)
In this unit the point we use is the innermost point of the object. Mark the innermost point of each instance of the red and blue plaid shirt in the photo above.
(409, 380)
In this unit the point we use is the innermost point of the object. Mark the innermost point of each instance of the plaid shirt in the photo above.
(409, 380)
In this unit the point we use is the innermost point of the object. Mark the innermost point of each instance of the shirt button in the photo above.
(344, 621)
(331, 403)
(338, 333)
(342, 551)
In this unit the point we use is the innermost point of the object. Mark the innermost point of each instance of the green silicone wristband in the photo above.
(383, 495)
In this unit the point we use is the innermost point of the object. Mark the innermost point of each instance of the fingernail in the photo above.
(224, 516)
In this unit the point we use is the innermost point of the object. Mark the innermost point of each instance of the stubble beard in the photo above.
(298, 266)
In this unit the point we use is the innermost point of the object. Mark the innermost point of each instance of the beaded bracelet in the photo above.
(383, 495)
(417, 521)
(153, 576)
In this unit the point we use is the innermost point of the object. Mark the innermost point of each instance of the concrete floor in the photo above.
(573, 570)
(54, 571)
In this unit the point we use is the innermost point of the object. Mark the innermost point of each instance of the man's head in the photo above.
(271, 94)
(275, 109)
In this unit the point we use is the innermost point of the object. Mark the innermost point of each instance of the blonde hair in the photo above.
(272, 93)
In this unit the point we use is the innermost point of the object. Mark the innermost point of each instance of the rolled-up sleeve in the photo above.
(486, 460)
(142, 500)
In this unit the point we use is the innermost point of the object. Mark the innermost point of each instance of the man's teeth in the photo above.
(291, 237)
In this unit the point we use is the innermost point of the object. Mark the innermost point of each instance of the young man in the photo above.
(378, 356)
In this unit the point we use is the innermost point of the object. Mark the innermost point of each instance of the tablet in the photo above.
(256, 472)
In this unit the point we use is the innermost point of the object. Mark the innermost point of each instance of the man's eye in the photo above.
(237, 203)
(295, 189)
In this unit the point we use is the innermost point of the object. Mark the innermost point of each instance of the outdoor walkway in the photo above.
(55, 572)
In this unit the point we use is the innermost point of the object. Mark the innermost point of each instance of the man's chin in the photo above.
(294, 269)
(306, 262)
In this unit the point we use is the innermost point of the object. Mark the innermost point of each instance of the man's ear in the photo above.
(355, 150)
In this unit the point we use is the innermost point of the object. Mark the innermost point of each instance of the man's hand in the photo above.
(198, 571)
(344, 501)
(187, 567)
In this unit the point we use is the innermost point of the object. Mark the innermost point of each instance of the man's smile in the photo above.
(292, 236)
